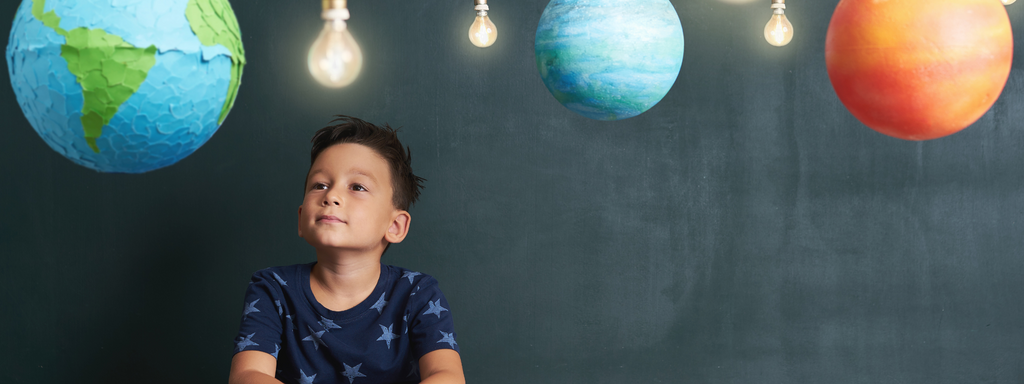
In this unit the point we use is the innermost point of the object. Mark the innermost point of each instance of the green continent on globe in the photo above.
(214, 23)
(109, 70)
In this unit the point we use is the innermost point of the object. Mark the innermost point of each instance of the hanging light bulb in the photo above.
(779, 31)
(335, 58)
(482, 33)
(1008, 2)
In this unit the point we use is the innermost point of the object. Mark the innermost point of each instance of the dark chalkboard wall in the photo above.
(747, 229)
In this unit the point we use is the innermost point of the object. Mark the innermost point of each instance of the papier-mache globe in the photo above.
(919, 69)
(609, 59)
(125, 86)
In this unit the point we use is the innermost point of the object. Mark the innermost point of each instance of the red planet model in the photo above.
(918, 69)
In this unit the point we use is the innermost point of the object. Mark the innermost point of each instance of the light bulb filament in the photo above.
(334, 63)
(483, 33)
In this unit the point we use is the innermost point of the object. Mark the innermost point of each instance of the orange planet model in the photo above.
(918, 69)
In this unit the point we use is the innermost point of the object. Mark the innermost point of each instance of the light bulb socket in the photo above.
(481, 7)
(335, 4)
(778, 4)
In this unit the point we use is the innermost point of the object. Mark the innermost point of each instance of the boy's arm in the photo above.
(441, 366)
(253, 367)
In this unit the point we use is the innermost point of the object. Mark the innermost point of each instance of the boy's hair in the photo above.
(383, 141)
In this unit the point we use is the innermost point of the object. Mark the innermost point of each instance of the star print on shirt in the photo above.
(277, 349)
(303, 379)
(328, 324)
(417, 290)
(246, 342)
(387, 335)
(448, 338)
(315, 338)
(280, 280)
(435, 308)
(280, 311)
(352, 372)
(410, 275)
(379, 305)
(405, 320)
(250, 309)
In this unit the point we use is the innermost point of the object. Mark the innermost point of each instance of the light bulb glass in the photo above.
(778, 31)
(335, 59)
(1008, 2)
(482, 33)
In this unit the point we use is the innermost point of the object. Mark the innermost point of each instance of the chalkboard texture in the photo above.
(746, 229)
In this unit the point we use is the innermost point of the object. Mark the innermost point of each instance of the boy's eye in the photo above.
(319, 186)
(358, 187)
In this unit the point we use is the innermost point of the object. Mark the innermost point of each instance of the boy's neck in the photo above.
(342, 283)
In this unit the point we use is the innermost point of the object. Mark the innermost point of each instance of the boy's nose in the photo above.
(332, 200)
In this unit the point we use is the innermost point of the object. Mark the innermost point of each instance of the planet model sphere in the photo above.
(609, 60)
(918, 69)
(125, 86)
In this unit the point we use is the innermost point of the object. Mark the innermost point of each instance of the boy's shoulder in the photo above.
(405, 276)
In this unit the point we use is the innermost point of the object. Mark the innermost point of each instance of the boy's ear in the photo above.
(399, 227)
(300, 221)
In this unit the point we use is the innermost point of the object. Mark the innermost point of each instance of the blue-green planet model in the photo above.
(609, 59)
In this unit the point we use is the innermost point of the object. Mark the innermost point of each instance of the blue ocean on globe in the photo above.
(609, 59)
(183, 99)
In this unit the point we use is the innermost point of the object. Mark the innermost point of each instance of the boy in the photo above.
(346, 318)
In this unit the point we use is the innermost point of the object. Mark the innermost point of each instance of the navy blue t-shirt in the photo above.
(378, 341)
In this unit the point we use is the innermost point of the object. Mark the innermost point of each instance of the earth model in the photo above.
(125, 86)
(609, 59)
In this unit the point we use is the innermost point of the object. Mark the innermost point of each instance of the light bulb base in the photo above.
(335, 4)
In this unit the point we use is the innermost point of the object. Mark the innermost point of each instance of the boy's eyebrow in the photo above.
(313, 172)
(367, 174)
(355, 171)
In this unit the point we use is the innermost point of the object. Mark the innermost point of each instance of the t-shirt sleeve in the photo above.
(261, 316)
(430, 320)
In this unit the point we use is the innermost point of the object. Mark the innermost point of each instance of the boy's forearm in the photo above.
(253, 377)
(443, 366)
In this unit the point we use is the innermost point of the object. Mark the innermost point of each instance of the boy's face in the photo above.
(347, 205)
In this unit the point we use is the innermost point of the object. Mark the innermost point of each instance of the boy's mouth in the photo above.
(329, 219)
